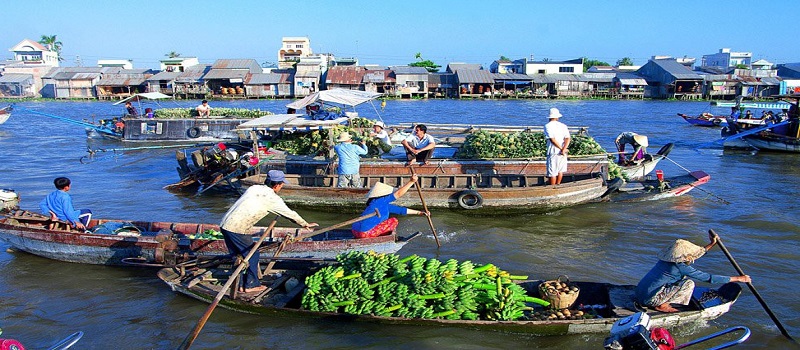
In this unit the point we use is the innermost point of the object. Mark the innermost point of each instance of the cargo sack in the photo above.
(117, 228)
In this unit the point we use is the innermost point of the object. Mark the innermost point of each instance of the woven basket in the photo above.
(562, 296)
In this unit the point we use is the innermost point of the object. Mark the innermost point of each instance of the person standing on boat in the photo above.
(203, 110)
(667, 281)
(419, 146)
(381, 197)
(639, 143)
(256, 203)
(131, 110)
(557, 135)
(349, 160)
(58, 205)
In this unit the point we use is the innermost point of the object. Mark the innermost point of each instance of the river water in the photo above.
(750, 201)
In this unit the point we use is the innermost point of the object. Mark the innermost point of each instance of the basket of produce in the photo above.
(559, 292)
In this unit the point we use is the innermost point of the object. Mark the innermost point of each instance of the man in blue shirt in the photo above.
(58, 205)
(349, 160)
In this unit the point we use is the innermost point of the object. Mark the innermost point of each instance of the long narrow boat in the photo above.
(652, 189)
(166, 243)
(638, 171)
(705, 119)
(5, 113)
(608, 301)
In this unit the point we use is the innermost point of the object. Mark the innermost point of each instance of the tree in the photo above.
(52, 44)
(427, 64)
(504, 58)
(587, 63)
(625, 61)
(172, 54)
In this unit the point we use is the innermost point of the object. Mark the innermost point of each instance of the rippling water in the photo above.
(42, 301)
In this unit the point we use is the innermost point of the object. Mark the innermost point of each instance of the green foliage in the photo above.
(587, 63)
(488, 145)
(625, 61)
(185, 113)
(416, 287)
(172, 54)
(427, 64)
(317, 142)
(52, 44)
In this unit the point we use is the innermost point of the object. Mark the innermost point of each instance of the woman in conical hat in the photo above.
(667, 281)
(381, 197)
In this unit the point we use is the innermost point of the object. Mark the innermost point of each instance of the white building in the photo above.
(292, 49)
(554, 67)
(124, 64)
(30, 52)
(726, 58)
(178, 64)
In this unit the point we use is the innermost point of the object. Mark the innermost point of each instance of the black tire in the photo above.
(716, 121)
(664, 151)
(193, 132)
(470, 199)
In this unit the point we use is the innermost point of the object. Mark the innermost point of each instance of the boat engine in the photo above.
(9, 200)
(634, 333)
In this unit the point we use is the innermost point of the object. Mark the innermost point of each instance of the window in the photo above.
(566, 69)
(541, 71)
(299, 46)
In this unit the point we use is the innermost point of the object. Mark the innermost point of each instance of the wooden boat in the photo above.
(649, 189)
(638, 171)
(166, 243)
(780, 134)
(5, 113)
(610, 302)
(704, 119)
(487, 185)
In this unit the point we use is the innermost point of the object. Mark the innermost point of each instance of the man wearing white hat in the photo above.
(349, 160)
(557, 135)
(379, 132)
(380, 197)
(639, 143)
(667, 281)
(256, 203)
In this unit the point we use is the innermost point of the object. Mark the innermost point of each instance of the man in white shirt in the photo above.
(204, 110)
(256, 203)
(419, 146)
(557, 135)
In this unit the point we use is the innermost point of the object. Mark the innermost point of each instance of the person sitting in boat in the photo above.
(381, 197)
(639, 143)
(203, 110)
(256, 203)
(119, 126)
(58, 205)
(379, 132)
(130, 109)
(667, 281)
(420, 145)
(748, 114)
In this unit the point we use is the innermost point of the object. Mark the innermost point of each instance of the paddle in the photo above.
(752, 288)
(425, 208)
(200, 323)
(312, 234)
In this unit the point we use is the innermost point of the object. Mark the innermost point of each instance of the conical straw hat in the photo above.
(681, 251)
(380, 189)
(641, 139)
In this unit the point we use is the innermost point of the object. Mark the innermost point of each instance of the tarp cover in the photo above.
(144, 95)
(338, 96)
(289, 122)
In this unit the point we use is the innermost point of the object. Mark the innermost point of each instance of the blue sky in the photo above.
(392, 32)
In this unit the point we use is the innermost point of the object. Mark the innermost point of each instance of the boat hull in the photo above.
(156, 246)
(790, 145)
(648, 189)
(196, 129)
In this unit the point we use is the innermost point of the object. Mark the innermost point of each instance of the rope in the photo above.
(696, 187)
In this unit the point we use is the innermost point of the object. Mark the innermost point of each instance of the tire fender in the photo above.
(193, 132)
(469, 199)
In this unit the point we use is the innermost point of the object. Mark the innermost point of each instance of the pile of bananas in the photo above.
(416, 287)
(488, 144)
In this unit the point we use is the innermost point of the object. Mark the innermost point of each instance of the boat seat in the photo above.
(27, 216)
(621, 300)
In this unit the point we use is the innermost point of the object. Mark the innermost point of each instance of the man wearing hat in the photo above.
(256, 203)
(349, 160)
(379, 132)
(667, 282)
(639, 143)
(557, 135)
(381, 197)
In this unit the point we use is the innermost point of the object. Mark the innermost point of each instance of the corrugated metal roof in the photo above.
(249, 64)
(346, 75)
(76, 76)
(600, 77)
(266, 79)
(677, 70)
(630, 79)
(16, 78)
(216, 73)
(53, 72)
(121, 80)
(168, 76)
(193, 74)
(455, 67)
(544, 78)
(511, 76)
(379, 76)
(441, 80)
(409, 70)
(474, 76)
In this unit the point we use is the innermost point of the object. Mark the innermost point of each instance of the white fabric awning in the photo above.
(289, 122)
(338, 96)
(145, 96)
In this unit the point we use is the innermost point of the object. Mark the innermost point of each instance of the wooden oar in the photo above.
(752, 288)
(200, 323)
(425, 207)
(312, 234)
